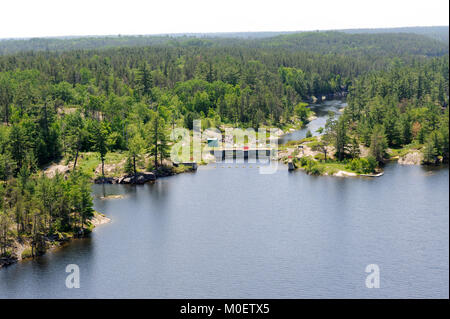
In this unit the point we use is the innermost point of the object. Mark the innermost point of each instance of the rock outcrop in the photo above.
(412, 158)
(138, 179)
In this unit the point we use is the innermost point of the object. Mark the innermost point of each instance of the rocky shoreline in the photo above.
(411, 158)
(330, 96)
(140, 178)
(144, 177)
(19, 247)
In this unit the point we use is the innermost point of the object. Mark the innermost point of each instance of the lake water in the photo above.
(234, 233)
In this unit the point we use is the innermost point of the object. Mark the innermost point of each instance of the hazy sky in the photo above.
(32, 18)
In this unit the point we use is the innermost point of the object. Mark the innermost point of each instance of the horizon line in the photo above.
(212, 33)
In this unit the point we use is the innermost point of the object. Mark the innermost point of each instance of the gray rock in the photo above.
(126, 180)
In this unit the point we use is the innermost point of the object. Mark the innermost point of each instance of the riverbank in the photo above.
(115, 168)
(309, 155)
(21, 249)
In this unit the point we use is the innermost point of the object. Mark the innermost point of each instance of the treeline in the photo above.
(356, 45)
(436, 32)
(419, 41)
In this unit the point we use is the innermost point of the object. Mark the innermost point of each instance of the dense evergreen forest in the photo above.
(63, 98)
(421, 41)
(437, 32)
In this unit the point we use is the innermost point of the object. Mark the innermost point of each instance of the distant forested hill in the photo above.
(351, 42)
(438, 33)
(384, 44)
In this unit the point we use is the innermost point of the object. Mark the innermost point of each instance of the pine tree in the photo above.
(145, 80)
(101, 141)
(341, 139)
(430, 152)
(354, 150)
(136, 146)
(378, 143)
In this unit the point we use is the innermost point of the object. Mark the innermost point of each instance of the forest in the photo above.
(65, 98)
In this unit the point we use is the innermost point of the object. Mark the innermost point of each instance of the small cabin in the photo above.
(213, 142)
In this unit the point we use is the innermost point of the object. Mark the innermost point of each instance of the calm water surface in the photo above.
(234, 233)
(322, 110)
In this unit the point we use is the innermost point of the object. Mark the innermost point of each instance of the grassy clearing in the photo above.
(322, 167)
(89, 161)
(401, 152)
(297, 125)
(333, 167)
(291, 144)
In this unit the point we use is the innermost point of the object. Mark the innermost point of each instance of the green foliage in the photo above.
(319, 157)
(378, 143)
(54, 105)
(84, 100)
(403, 105)
(129, 165)
(38, 207)
(363, 165)
(308, 134)
(431, 149)
(310, 165)
(7, 167)
(136, 147)
(26, 253)
(353, 149)
(302, 112)
(158, 136)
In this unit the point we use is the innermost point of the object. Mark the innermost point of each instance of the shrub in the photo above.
(319, 157)
(26, 253)
(311, 167)
(129, 169)
(303, 161)
(6, 254)
(354, 165)
(150, 166)
(179, 169)
(372, 164)
(314, 169)
(363, 165)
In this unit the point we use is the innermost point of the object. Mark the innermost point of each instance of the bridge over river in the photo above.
(261, 153)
